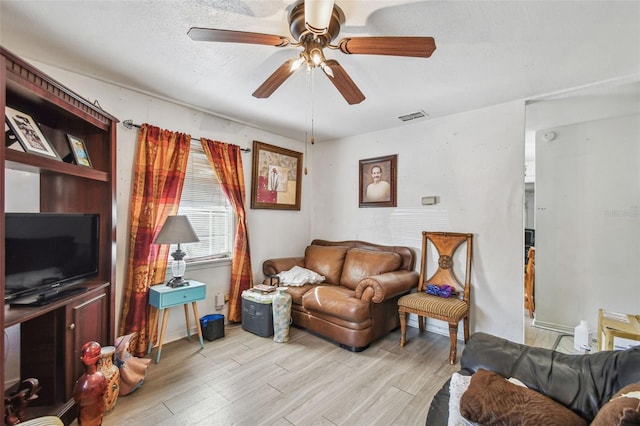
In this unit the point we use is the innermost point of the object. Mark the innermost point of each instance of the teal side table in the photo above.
(162, 297)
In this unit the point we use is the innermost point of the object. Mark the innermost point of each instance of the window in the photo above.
(207, 208)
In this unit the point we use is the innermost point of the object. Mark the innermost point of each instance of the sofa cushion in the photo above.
(622, 409)
(492, 400)
(458, 385)
(326, 260)
(336, 301)
(360, 264)
(296, 293)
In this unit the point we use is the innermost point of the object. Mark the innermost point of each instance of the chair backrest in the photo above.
(446, 244)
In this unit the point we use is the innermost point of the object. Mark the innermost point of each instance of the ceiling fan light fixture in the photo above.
(317, 57)
(298, 63)
(314, 25)
(317, 15)
(327, 69)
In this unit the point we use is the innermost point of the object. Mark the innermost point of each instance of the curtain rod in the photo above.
(129, 124)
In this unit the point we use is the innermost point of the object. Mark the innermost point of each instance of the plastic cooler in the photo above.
(257, 313)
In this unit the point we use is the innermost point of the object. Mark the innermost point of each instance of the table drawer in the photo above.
(164, 297)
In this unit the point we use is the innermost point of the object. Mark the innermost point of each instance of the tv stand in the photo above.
(51, 337)
(47, 297)
(54, 328)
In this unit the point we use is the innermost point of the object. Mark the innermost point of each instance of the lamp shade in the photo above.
(317, 14)
(176, 229)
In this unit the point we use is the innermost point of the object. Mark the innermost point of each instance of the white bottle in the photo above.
(581, 337)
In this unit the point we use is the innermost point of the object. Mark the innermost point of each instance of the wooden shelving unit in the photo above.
(52, 335)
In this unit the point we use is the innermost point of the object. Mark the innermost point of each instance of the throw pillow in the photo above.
(361, 263)
(326, 260)
(492, 400)
(457, 386)
(298, 276)
(622, 409)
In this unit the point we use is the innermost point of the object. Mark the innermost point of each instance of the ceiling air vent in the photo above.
(413, 116)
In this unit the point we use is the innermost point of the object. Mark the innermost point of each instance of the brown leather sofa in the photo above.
(357, 302)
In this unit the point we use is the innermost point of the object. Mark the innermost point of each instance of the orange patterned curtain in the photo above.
(160, 167)
(226, 161)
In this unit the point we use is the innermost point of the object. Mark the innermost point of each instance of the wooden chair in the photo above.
(529, 282)
(452, 309)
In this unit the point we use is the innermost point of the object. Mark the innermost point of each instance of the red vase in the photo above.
(90, 387)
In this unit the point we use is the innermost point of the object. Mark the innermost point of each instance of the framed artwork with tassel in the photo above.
(276, 179)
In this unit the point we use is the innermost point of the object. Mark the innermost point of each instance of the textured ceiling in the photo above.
(488, 52)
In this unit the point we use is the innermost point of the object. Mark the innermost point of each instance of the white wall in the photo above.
(474, 162)
(271, 232)
(587, 200)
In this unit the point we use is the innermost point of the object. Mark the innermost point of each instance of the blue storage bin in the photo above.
(212, 326)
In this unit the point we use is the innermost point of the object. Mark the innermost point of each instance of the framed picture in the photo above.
(28, 133)
(10, 139)
(378, 186)
(276, 180)
(79, 151)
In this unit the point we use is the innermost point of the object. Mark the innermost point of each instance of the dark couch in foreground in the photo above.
(582, 383)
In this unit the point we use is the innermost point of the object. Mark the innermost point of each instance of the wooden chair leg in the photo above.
(421, 323)
(466, 328)
(453, 336)
(403, 327)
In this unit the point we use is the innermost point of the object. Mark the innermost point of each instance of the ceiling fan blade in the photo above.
(230, 36)
(343, 83)
(275, 80)
(421, 47)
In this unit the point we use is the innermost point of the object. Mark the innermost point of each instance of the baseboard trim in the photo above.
(436, 326)
(552, 326)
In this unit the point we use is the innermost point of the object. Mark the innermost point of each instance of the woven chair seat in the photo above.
(428, 304)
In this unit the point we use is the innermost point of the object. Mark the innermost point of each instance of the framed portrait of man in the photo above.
(378, 186)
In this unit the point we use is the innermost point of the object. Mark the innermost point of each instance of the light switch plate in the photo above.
(430, 200)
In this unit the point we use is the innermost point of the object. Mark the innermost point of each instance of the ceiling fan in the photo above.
(314, 24)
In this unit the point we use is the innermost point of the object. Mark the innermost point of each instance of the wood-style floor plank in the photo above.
(244, 379)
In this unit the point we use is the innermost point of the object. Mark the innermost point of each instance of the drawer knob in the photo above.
(72, 326)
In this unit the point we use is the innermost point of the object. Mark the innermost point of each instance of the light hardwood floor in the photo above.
(244, 379)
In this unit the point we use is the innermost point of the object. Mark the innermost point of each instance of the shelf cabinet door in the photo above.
(87, 321)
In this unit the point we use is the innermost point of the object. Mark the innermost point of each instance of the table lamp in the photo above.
(176, 230)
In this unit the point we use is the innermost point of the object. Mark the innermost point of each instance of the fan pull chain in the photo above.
(313, 137)
(306, 118)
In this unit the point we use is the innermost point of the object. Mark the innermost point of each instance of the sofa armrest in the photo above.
(385, 286)
(439, 409)
(274, 266)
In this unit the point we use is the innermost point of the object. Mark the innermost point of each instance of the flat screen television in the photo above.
(46, 254)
